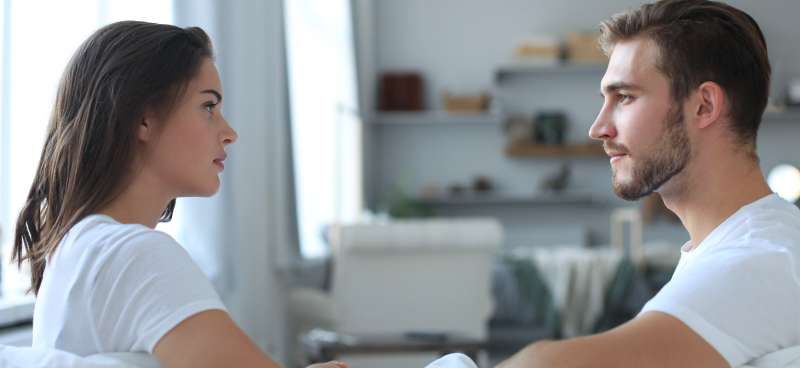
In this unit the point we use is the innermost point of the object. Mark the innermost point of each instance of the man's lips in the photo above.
(615, 156)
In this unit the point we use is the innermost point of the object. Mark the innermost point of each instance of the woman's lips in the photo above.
(220, 163)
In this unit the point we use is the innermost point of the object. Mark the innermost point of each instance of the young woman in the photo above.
(136, 124)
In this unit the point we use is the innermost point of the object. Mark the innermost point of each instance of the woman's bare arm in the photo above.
(209, 339)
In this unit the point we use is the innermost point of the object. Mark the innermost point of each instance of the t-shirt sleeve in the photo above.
(145, 287)
(743, 303)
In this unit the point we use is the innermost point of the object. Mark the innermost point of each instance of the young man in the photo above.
(685, 88)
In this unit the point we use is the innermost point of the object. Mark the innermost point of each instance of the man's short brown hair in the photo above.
(699, 41)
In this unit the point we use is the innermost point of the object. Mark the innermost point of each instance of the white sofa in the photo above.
(410, 275)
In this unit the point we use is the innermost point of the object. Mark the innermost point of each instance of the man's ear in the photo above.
(710, 102)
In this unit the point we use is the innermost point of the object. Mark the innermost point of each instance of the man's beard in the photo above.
(669, 158)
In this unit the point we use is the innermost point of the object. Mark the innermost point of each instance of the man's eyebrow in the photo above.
(215, 93)
(616, 86)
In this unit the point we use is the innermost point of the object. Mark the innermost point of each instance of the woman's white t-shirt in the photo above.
(739, 288)
(112, 287)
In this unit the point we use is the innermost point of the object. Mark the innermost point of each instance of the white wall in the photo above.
(457, 43)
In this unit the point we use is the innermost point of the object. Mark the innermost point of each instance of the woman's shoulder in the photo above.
(101, 234)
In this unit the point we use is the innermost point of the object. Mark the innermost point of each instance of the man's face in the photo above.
(642, 129)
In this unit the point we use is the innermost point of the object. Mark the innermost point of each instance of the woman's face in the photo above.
(186, 152)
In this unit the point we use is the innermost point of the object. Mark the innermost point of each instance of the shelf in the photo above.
(569, 150)
(559, 68)
(564, 198)
(436, 118)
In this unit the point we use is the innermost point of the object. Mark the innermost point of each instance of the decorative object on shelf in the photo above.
(582, 48)
(519, 129)
(784, 180)
(430, 191)
(465, 103)
(401, 91)
(539, 50)
(557, 182)
(456, 189)
(793, 92)
(482, 184)
(550, 127)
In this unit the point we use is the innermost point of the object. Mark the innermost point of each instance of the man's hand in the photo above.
(331, 364)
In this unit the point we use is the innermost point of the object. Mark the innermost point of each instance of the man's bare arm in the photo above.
(653, 339)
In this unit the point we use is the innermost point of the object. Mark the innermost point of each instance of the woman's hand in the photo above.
(331, 364)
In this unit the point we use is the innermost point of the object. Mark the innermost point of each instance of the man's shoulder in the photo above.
(769, 226)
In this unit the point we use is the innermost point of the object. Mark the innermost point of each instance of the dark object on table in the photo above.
(323, 346)
(550, 127)
(427, 336)
(558, 181)
(401, 92)
(482, 184)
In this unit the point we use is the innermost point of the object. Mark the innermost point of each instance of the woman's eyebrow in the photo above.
(215, 93)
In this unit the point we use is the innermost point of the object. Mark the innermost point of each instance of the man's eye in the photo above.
(624, 98)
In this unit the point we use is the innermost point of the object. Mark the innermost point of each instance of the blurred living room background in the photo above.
(411, 177)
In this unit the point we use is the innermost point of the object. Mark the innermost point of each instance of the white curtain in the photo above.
(243, 236)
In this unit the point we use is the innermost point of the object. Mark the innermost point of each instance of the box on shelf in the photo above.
(542, 50)
(582, 48)
(465, 103)
(401, 91)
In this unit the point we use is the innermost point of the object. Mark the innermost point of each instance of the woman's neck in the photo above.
(141, 202)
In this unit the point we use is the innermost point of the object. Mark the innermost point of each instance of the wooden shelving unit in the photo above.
(436, 117)
(568, 150)
(544, 198)
(517, 69)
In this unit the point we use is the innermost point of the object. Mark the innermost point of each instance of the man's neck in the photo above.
(707, 193)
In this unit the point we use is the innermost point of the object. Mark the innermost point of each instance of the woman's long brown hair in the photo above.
(120, 72)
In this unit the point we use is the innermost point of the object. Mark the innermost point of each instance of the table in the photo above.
(322, 346)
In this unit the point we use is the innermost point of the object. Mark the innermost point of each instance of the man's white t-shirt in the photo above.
(112, 287)
(739, 288)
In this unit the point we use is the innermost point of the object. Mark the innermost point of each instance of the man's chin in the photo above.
(629, 193)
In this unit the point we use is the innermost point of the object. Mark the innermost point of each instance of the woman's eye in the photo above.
(210, 107)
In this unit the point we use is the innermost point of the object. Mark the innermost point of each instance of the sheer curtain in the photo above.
(326, 129)
(243, 236)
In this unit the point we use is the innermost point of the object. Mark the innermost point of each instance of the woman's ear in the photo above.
(146, 129)
(711, 102)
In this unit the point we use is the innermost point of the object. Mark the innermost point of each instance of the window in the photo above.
(36, 46)
(326, 130)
